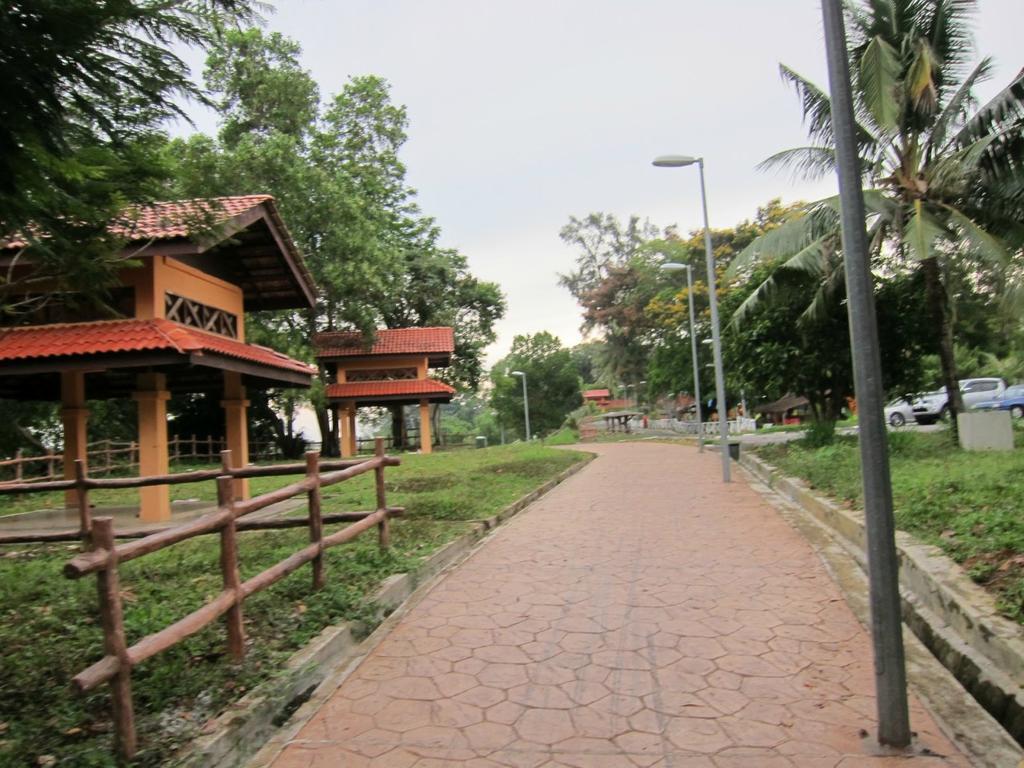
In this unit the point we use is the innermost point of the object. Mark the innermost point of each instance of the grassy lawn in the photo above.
(969, 504)
(49, 625)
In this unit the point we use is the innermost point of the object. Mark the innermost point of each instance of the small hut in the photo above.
(201, 264)
(390, 372)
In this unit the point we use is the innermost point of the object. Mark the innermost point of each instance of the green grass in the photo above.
(49, 627)
(968, 503)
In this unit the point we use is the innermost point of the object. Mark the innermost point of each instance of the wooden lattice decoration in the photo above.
(197, 315)
(382, 374)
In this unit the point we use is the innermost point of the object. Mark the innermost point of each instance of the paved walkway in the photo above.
(639, 615)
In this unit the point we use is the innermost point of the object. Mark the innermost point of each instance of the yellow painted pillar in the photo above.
(152, 397)
(75, 416)
(236, 428)
(425, 441)
(344, 429)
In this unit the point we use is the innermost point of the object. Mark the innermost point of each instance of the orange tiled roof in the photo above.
(595, 393)
(174, 218)
(114, 336)
(387, 341)
(402, 388)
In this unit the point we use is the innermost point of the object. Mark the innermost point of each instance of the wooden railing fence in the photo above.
(104, 556)
(106, 456)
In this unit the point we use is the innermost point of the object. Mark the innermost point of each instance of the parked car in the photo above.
(899, 412)
(932, 406)
(1011, 400)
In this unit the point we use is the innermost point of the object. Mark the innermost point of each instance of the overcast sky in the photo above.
(525, 112)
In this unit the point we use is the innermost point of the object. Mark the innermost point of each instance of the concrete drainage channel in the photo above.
(951, 615)
(255, 720)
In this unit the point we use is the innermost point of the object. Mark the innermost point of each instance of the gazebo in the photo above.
(204, 263)
(391, 372)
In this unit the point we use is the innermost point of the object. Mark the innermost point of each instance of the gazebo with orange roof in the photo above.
(203, 264)
(390, 372)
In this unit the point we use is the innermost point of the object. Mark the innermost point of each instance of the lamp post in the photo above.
(680, 161)
(526, 403)
(672, 266)
(883, 565)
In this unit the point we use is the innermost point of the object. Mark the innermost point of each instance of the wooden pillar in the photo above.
(346, 418)
(75, 417)
(236, 428)
(152, 397)
(352, 435)
(425, 441)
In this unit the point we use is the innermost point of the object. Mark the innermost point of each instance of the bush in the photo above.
(819, 434)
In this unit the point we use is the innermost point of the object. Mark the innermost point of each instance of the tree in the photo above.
(944, 179)
(86, 86)
(552, 383)
(670, 368)
(335, 171)
(613, 281)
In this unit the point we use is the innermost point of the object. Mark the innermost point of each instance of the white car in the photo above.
(899, 412)
(932, 406)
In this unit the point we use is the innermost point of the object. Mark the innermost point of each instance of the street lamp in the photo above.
(672, 266)
(681, 161)
(526, 403)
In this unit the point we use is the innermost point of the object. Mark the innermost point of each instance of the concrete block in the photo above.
(985, 431)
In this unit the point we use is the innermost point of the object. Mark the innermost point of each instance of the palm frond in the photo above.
(817, 109)
(954, 168)
(804, 162)
(922, 232)
(921, 85)
(956, 109)
(1003, 110)
(878, 80)
(827, 295)
(986, 244)
(793, 236)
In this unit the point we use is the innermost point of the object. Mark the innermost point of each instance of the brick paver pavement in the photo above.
(640, 614)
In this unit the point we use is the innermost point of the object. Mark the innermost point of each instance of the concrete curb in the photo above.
(951, 615)
(262, 721)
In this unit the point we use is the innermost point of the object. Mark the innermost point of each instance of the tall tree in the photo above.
(943, 178)
(553, 387)
(86, 86)
(336, 173)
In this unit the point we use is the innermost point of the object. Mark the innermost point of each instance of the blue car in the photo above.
(1011, 400)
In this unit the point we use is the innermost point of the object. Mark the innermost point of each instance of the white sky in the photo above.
(524, 112)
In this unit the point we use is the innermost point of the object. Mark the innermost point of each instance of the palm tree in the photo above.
(943, 178)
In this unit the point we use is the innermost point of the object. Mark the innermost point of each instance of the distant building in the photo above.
(599, 397)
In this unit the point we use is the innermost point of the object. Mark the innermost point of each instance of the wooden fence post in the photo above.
(107, 460)
(316, 524)
(384, 526)
(229, 571)
(209, 447)
(225, 462)
(82, 501)
(193, 454)
(17, 467)
(50, 466)
(108, 584)
(132, 451)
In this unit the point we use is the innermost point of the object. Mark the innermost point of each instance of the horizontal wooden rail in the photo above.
(106, 555)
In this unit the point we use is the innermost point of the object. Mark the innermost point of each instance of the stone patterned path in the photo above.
(641, 614)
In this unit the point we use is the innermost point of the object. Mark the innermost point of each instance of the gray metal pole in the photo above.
(526, 409)
(716, 338)
(696, 365)
(883, 567)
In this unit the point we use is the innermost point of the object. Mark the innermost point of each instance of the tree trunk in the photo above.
(328, 443)
(397, 428)
(938, 307)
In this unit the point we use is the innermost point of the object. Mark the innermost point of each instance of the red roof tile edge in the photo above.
(410, 387)
(387, 341)
(132, 335)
